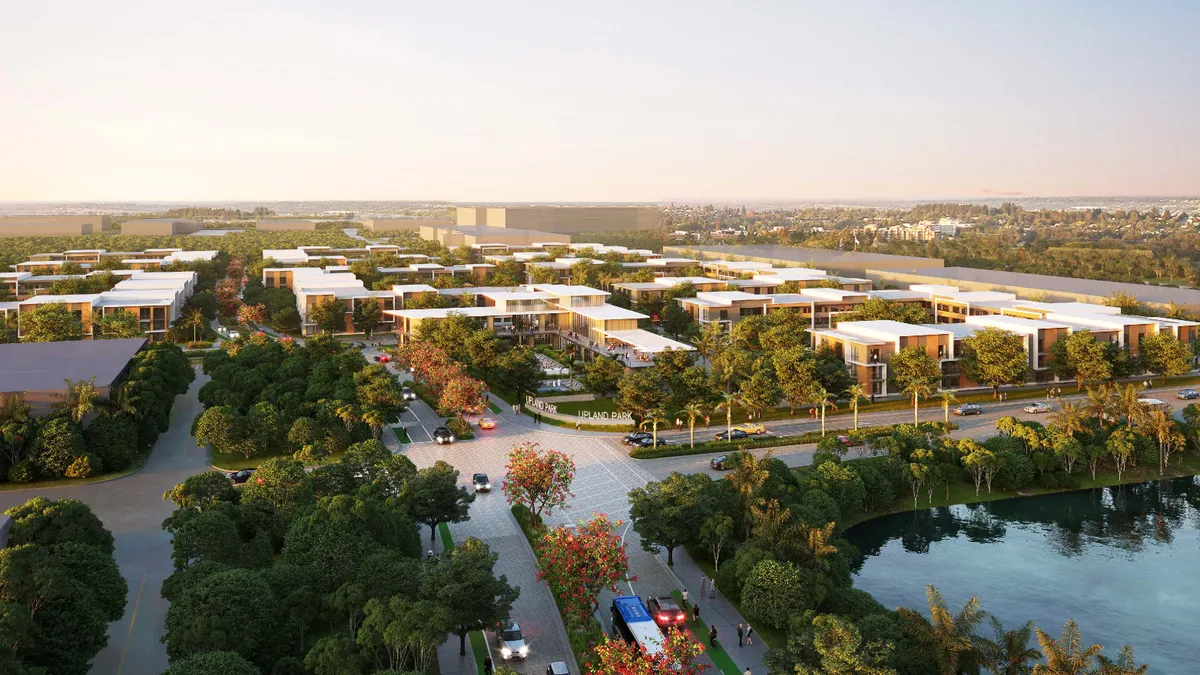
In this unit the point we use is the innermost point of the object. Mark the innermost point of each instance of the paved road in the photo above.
(133, 509)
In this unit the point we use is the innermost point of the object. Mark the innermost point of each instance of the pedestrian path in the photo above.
(717, 611)
(449, 660)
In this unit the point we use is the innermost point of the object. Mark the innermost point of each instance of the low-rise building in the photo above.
(867, 348)
(40, 370)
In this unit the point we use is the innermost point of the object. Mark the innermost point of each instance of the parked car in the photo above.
(1037, 408)
(385, 359)
(487, 423)
(969, 409)
(407, 394)
(648, 442)
(735, 434)
(239, 477)
(666, 612)
(636, 436)
(558, 668)
(510, 641)
(376, 357)
(752, 428)
(442, 436)
(481, 482)
(720, 463)
(1188, 394)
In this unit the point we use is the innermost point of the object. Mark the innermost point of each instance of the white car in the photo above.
(1038, 407)
(511, 641)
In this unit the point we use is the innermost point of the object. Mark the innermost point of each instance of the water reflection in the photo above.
(1122, 561)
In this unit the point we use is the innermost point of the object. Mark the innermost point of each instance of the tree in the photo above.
(678, 654)
(728, 401)
(880, 309)
(201, 491)
(1068, 419)
(841, 651)
(57, 444)
(918, 471)
(948, 399)
(822, 399)
(404, 630)
(77, 400)
(579, 562)
(1086, 358)
(640, 392)
(692, 410)
(539, 480)
(1120, 445)
(50, 322)
(233, 610)
(668, 513)
(603, 374)
(995, 357)
(1164, 354)
(249, 315)
(213, 663)
(1009, 653)
(676, 320)
(434, 496)
(462, 581)
(280, 485)
(714, 532)
(856, 394)
(949, 637)
(119, 324)
(225, 431)
(462, 395)
(652, 419)
(1067, 655)
(47, 522)
(1124, 665)
(328, 316)
(775, 590)
(367, 316)
(195, 320)
(915, 373)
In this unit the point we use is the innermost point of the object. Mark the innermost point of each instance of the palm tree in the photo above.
(747, 479)
(1068, 419)
(856, 392)
(693, 410)
(728, 400)
(1130, 403)
(948, 398)
(822, 398)
(78, 399)
(1065, 656)
(121, 401)
(194, 319)
(917, 390)
(1176, 311)
(1101, 404)
(654, 418)
(948, 636)
(712, 339)
(1124, 665)
(817, 546)
(1009, 653)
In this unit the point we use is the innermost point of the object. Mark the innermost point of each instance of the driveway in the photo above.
(133, 509)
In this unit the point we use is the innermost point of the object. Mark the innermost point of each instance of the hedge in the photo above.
(717, 447)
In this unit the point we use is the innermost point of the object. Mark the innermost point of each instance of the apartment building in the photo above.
(867, 347)
(562, 219)
(313, 286)
(149, 259)
(658, 289)
(53, 226)
(328, 255)
(160, 226)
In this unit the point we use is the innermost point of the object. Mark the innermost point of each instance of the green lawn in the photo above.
(224, 461)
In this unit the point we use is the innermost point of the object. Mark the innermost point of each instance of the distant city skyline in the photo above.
(624, 102)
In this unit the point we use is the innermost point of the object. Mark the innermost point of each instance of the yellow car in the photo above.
(752, 428)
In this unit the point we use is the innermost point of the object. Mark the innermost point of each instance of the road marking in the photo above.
(129, 633)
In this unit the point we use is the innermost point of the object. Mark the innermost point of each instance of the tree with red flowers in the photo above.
(538, 479)
(579, 562)
(227, 297)
(680, 653)
(252, 314)
(461, 396)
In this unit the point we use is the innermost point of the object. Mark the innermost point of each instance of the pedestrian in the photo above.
(678, 424)
(747, 671)
(749, 634)
(488, 666)
(576, 424)
(696, 613)
(707, 421)
(703, 584)
(712, 589)
(712, 636)
(741, 634)
(683, 596)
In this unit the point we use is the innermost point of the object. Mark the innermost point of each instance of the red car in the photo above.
(666, 611)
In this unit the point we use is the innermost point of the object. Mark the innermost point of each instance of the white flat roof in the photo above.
(516, 295)
(413, 288)
(728, 296)
(792, 273)
(1102, 321)
(738, 264)
(831, 293)
(568, 289)
(934, 289)
(849, 337)
(887, 330)
(441, 313)
(646, 341)
(50, 299)
(607, 312)
(1013, 323)
(1067, 307)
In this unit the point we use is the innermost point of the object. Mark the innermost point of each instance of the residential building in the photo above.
(41, 370)
(160, 226)
(404, 224)
(850, 263)
(314, 285)
(562, 219)
(867, 348)
(53, 226)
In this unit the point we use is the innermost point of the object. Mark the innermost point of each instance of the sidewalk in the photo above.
(449, 661)
(718, 612)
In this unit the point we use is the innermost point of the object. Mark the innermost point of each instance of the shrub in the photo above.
(23, 472)
(199, 344)
(113, 439)
(57, 445)
(84, 466)
(718, 447)
(530, 524)
(460, 428)
(1016, 471)
(776, 590)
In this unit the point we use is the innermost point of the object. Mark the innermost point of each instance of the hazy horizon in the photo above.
(635, 102)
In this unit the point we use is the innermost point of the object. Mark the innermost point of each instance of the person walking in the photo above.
(576, 424)
(749, 634)
(703, 584)
(712, 588)
(741, 634)
(712, 636)
(696, 613)
(488, 666)
(678, 424)
(747, 671)
(707, 421)
(683, 596)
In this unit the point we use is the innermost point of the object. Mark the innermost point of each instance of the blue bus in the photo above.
(633, 622)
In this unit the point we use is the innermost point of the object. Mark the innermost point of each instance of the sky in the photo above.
(613, 101)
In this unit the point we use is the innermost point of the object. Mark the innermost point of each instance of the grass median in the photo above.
(476, 638)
